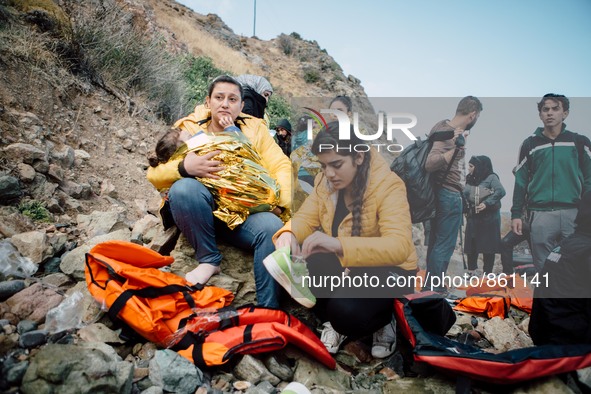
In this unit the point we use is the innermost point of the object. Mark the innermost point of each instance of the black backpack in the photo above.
(410, 167)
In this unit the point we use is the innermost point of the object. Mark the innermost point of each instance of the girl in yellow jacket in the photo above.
(355, 234)
(192, 205)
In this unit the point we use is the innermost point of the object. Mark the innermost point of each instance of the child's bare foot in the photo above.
(202, 273)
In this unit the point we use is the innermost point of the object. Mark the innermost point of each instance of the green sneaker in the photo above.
(289, 275)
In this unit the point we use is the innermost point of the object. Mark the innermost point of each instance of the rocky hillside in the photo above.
(80, 108)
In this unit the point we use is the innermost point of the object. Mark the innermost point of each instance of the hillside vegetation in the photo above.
(107, 77)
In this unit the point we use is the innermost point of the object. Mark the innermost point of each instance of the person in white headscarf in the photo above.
(257, 91)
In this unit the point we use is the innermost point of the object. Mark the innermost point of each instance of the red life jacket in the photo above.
(195, 320)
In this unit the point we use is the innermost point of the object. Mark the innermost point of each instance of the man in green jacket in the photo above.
(554, 171)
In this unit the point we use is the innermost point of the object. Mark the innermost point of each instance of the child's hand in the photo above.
(226, 121)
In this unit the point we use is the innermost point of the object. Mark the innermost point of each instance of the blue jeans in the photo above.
(192, 207)
(444, 234)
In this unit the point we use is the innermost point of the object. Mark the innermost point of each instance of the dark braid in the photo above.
(359, 186)
(330, 136)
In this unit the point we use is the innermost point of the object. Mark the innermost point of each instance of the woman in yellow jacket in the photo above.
(192, 205)
(355, 234)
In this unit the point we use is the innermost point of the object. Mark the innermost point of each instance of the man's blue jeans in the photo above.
(443, 236)
(192, 207)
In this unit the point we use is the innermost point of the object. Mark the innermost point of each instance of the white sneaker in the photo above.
(330, 338)
(384, 341)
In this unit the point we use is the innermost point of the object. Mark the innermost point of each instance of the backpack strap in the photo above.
(444, 135)
(153, 292)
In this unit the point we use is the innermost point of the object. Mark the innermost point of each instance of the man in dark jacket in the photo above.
(554, 170)
(283, 136)
(561, 311)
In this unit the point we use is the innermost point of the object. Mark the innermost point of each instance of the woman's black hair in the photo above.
(226, 79)
(345, 100)
(329, 135)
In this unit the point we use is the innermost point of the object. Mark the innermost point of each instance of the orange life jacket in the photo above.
(194, 320)
(495, 298)
(212, 339)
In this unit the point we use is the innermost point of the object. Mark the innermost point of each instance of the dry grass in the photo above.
(119, 56)
(33, 53)
(200, 42)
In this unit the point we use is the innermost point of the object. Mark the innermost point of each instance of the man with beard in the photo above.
(554, 171)
(447, 160)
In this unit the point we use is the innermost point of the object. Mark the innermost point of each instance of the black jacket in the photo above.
(561, 311)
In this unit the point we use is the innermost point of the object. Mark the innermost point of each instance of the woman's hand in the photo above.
(319, 242)
(203, 166)
(480, 207)
(288, 239)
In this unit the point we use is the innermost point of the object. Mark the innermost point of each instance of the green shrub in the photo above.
(285, 44)
(35, 210)
(311, 75)
(279, 108)
(198, 74)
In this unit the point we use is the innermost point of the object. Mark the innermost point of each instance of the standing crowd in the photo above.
(355, 221)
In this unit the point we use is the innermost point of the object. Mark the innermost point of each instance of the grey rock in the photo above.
(73, 262)
(32, 339)
(26, 173)
(279, 367)
(108, 189)
(32, 244)
(81, 154)
(68, 368)
(52, 266)
(25, 326)
(504, 335)
(10, 189)
(10, 288)
(174, 373)
(41, 189)
(146, 229)
(99, 223)
(41, 166)
(261, 388)
(425, 385)
(76, 190)
(65, 157)
(14, 374)
(310, 372)
(153, 390)
(56, 173)
(98, 332)
(548, 385)
(57, 279)
(253, 370)
(584, 376)
(58, 242)
(33, 302)
(54, 206)
(24, 153)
